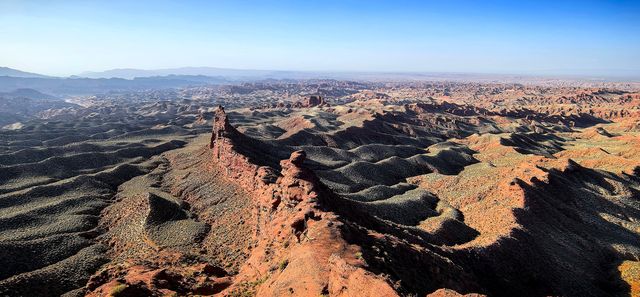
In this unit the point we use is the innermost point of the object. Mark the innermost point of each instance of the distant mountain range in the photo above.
(139, 79)
(128, 73)
(6, 71)
(253, 75)
(27, 93)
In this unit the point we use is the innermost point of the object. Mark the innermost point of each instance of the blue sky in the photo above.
(518, 37)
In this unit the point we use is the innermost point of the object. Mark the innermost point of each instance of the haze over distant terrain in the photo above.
(244, 74)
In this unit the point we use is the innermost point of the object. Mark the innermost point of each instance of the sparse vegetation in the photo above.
(118, 290)
(247, 289)
(283, 264)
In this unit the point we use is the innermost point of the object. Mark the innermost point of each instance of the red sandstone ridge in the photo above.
(296, 248)
(300, 250)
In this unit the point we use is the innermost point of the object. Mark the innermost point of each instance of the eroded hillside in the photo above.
(378, 191)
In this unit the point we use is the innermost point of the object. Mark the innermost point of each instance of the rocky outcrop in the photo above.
(310, 101)
(314, 100)
(452, 293)
(201, 279)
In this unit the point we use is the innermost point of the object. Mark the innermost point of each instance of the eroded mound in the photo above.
(56, 178)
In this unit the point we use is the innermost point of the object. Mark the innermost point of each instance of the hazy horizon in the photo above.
(582, 38)
(619, 75)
